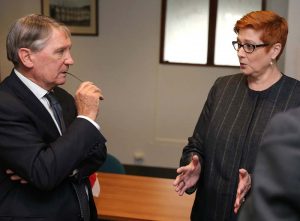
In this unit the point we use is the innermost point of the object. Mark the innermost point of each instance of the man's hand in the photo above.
(188, 176)
(87, 99)
(15, 177)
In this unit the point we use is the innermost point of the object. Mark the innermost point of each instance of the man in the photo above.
(53, 156)
(275, 192)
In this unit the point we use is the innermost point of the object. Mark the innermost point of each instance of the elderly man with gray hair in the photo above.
(49, 143)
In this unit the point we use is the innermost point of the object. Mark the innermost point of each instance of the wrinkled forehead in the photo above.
(59, 30)
(62, 29)
(55, 37)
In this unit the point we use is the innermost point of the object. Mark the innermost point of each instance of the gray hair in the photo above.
(32, 32)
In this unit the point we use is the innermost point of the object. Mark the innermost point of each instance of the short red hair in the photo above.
(274, 27)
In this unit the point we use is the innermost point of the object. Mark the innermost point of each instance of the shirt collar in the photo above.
(38, 91)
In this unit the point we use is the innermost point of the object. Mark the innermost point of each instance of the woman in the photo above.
(220, 156)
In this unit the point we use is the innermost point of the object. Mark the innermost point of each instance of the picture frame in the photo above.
(80, 16)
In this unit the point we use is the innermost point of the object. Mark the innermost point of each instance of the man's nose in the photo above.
(69, 60)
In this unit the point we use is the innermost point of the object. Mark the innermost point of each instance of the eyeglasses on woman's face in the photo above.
(248, 48)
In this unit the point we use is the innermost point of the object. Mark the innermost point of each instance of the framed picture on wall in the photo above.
(81, 16)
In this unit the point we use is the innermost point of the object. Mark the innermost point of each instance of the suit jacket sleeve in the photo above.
(276, 194)
(97, 154)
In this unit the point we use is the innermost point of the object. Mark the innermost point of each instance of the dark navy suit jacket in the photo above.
(276, 183)
(32, 147)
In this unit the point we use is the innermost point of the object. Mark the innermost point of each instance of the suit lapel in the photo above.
(20, 90)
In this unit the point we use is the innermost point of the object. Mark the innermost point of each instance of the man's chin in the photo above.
(61, 82)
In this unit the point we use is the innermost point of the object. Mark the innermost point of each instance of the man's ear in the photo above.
(276, 49)
(25, 57)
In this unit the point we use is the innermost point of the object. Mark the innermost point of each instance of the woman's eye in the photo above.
(248, 46)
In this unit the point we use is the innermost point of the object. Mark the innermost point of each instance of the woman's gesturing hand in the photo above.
(188, 176)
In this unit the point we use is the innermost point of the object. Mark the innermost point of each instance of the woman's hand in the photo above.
(243, 188)
(188, 176)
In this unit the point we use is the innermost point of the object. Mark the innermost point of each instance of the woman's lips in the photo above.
(242, 65)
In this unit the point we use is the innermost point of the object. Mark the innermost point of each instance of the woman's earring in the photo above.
(271, 62)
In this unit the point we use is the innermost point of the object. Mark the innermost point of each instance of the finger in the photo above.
(183, 171)
(177, 180)
(236, 209)
(237, 200)
(241, 189)
(15, 177)
(180, 170)
(178, 189)
(85, 83)
(94, 89)
(23, 181)
(181, 192)
(87, 86)
(242, 193)
(180, 185)
(8, 171)
(241, 175)
(241, 201)
(183, 189)
(237, 205)
(242, 171)
(239, 196)
(195, 159)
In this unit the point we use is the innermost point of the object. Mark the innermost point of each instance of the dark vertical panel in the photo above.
(213, 5)
(162, 30)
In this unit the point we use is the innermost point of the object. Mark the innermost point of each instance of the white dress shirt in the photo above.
(40, 93)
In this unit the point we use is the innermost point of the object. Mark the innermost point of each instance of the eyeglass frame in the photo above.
(254, 46)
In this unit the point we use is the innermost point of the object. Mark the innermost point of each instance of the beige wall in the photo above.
(9, 11)
(149, 108)
(292, 58)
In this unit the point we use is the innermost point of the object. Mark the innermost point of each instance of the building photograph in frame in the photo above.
(81, 16)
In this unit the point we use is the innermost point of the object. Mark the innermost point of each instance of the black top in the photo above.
(227, 137)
